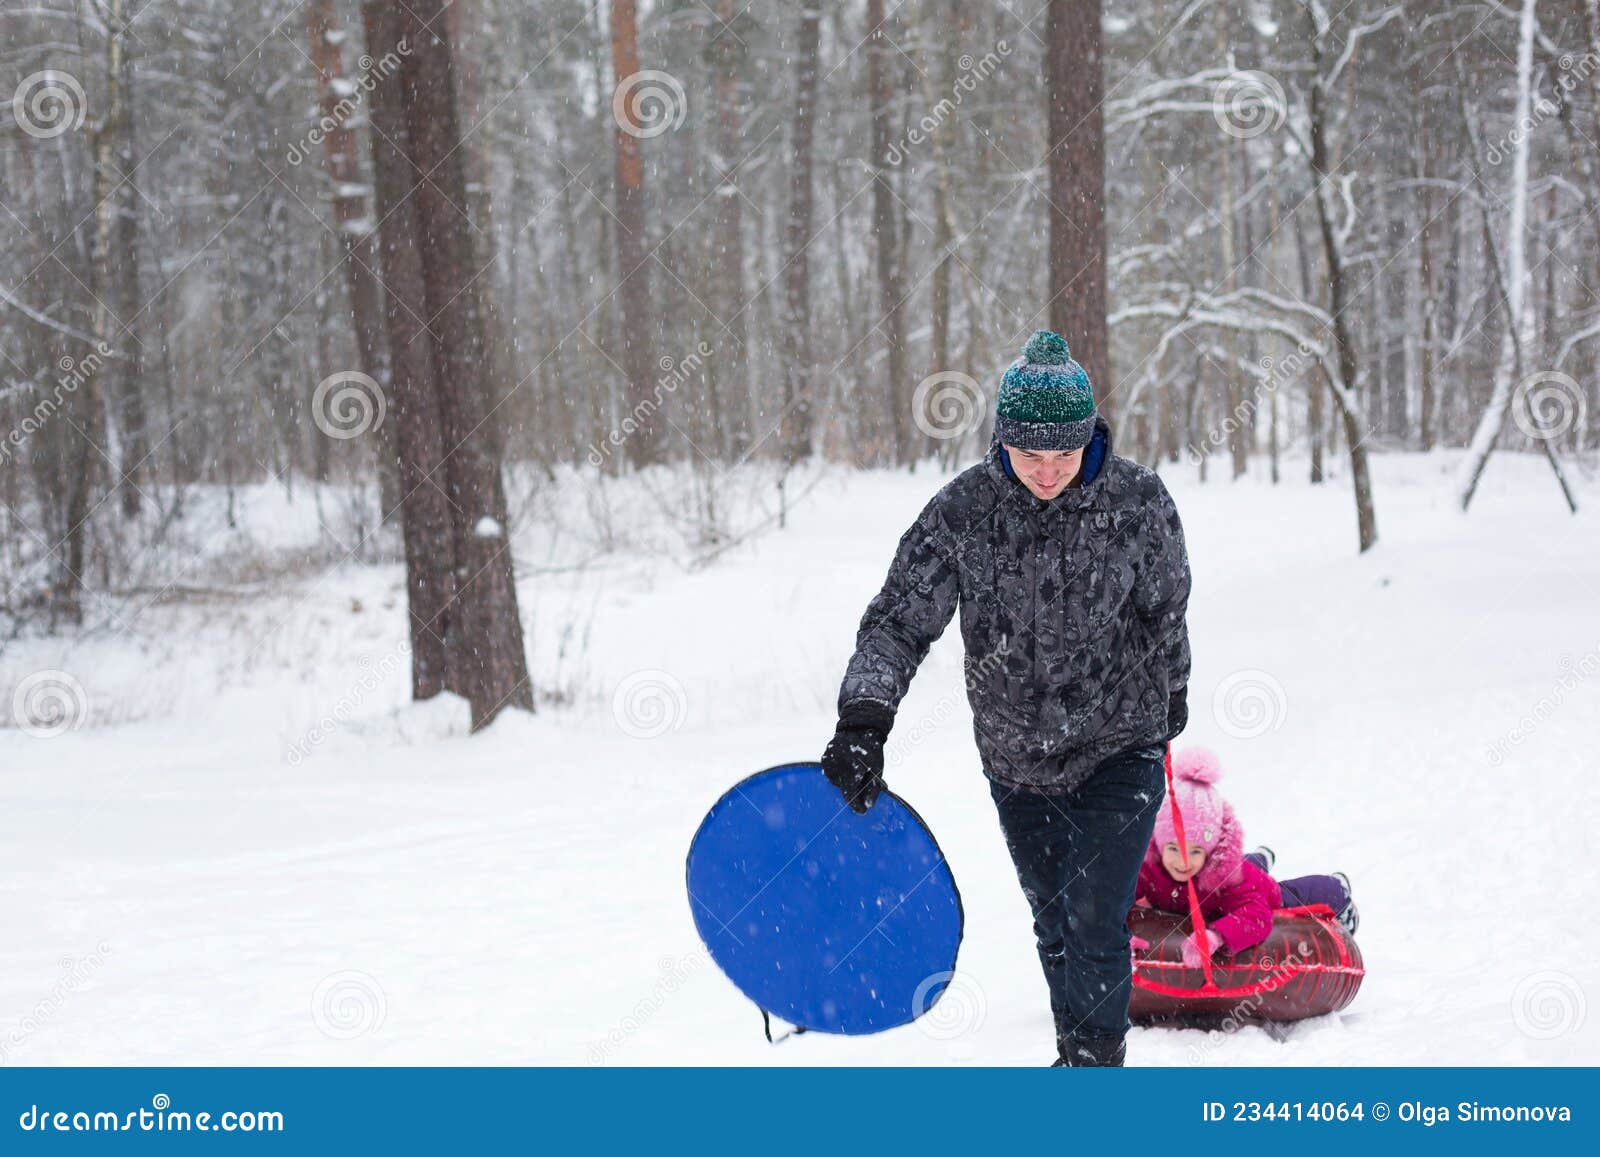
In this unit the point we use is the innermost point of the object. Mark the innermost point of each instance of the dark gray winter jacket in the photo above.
(1072, 612)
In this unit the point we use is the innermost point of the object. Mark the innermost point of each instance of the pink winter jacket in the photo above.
(1236, 897)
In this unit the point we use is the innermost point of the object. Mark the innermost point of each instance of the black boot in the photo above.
(1091, 1053)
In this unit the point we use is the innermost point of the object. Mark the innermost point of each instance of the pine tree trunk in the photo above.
(886, 237)
(414, 401)
(124, 267)
(1075, 88)
(798, 354)
(342, 163)
(633, 293)
(494, 670)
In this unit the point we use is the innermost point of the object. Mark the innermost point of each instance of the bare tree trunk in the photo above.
(1511, 344)
(1345, 391)
(944, 29)
(341, 161)
(419, 438)
(1430, 299)
(799, 357)
(123, 260)
(733, 424)
(1075, 88)
(633, 293)
(1314, 418)
(886, 235)
(493, 662)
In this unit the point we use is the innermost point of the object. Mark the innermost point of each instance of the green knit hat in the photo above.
(1045, 401)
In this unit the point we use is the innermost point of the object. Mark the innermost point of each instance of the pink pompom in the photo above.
(1196, 765)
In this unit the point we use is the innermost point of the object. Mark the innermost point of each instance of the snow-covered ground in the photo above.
(254, 849)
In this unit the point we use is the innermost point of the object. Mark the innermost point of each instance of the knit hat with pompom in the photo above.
(1045, 400)
(1208, 819)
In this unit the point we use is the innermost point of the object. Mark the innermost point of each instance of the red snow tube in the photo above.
(1307, 966)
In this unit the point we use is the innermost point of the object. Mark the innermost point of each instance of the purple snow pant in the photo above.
(1308, 889)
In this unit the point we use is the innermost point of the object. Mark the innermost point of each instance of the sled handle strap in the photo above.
(1195, 916)
(766, 1028)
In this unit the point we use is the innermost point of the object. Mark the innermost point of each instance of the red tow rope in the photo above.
(1195, 917)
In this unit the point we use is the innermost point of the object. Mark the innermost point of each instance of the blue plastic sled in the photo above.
(832, 921)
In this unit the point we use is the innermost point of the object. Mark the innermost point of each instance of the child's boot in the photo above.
(1349, 917)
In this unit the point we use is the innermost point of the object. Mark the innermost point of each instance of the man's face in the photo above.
(1045, 473)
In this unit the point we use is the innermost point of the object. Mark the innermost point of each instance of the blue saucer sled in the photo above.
(832, 921)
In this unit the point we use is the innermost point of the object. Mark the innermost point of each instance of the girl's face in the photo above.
(1179, 868)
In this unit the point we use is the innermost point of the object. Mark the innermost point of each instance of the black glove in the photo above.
(853, 761)
(1177, 713)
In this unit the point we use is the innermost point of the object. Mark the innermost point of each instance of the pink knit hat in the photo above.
(1208, 819)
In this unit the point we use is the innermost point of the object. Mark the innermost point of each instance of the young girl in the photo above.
(1237, 895)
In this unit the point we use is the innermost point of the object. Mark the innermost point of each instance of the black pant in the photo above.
(1077, 857)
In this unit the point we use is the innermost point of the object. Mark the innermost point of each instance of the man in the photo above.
(1069, 569)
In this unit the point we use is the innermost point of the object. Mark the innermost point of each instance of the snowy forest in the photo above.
(583, 361)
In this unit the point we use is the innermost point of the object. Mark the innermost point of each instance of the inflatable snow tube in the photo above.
(1307, 967)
